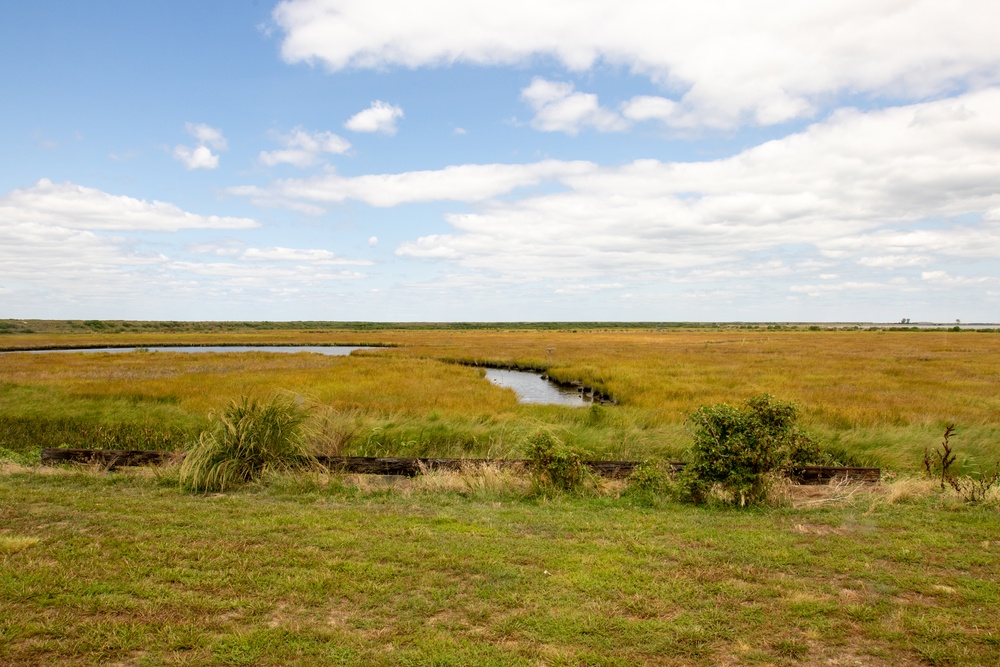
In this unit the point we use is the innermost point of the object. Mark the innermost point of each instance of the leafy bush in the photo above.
(553, 464)
(740, 449)
(249, 438)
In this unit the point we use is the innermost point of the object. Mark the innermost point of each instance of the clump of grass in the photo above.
(251, 437)
(650, 481)
(10, 544)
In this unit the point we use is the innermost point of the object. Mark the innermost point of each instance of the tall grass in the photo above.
(250, 438)
(881, 397)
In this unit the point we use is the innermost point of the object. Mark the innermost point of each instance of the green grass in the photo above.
(307, 570)
(251, 438)
(879, 396)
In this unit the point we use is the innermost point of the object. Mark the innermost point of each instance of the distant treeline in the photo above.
(14, 326)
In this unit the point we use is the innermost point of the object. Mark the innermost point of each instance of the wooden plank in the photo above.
(826, 474)
(410, 467)
(108, 458)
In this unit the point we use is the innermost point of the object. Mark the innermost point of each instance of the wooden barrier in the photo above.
(111, 459)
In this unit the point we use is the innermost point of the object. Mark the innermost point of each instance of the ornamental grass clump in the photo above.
(251, 437)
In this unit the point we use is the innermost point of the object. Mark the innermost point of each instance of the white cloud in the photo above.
(379, 117)
(307, 255)
(845, 187)
(764, 62)
(558, 108)
(471, 182)
(304, 149)
(201, 156)
(847, 286)
(372, 241)
(234, 274)
(650, 107)
(587, 288)
(944, 278)
(71, 206)
(859, 186)
(227, 248)
(207, 136)
(65, 244)
(895, 261)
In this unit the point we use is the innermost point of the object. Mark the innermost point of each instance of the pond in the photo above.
(532, 388)
(329, 350)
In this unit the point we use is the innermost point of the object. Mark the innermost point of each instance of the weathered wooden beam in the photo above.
(826, 474)
(410, 467)
(108, 458)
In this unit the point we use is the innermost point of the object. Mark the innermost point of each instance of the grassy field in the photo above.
(881, 396)
(124, 569)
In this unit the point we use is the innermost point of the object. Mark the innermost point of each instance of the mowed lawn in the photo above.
(123, 569)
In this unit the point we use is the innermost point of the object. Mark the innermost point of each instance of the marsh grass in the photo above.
(877, 397)
(252, 437)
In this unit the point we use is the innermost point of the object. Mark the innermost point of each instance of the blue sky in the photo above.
(455, 161)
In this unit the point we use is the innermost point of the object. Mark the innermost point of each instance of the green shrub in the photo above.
(741, 448)
(249, 438)
(650, 481)
(553, 464)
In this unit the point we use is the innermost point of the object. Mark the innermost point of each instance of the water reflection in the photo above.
(531, 388)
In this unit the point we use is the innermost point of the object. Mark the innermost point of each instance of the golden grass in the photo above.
(871, 392)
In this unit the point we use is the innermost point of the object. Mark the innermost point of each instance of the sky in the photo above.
(564, 160)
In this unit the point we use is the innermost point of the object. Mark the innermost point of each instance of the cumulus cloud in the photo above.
(207, 136)
(307, 255)
(201, 155)
(559, 108)
(587, 288)
(236, 274)
(379, 117)
(845, 187)
(732, 62)
(71, 206)
(60, 243)
(471, 183)
(650, 107)
(65, 249)
(304, 149)
(895, 261)
(890, 190)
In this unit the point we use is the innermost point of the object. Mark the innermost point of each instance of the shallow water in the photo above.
(531, 388)
(329, 350)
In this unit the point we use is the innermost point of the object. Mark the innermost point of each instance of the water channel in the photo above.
(329, 350)
(532, 388)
